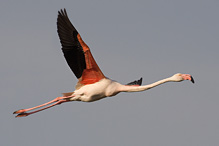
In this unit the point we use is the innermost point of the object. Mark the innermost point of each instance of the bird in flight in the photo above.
(92, 84)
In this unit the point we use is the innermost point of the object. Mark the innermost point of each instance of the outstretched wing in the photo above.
(76, 52)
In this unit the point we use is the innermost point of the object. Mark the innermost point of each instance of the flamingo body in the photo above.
(92, 92)
(92, 84)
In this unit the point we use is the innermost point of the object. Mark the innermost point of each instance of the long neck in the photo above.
(126, 88)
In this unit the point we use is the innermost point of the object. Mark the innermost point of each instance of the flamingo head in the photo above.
(181, 77)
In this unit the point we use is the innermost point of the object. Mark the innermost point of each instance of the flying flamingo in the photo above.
(92, 84)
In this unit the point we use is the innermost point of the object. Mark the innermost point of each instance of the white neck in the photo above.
(126, 88)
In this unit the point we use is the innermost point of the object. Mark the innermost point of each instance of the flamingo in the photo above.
(92, 84)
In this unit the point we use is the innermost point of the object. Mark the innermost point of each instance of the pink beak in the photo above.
(188, 77)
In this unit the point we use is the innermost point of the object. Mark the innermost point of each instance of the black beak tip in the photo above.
(192, 80)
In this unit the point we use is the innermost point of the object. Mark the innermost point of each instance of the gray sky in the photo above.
(129, 39)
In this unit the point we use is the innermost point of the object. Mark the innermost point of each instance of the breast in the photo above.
(96, 91)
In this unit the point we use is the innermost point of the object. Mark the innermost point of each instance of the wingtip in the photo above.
(62, 11)
(140, 81)
(65, 11)
(136, 82)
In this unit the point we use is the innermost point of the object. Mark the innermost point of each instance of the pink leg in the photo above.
(26, 114)
(54, 100)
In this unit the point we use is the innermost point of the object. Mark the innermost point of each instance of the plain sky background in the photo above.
(153, 39)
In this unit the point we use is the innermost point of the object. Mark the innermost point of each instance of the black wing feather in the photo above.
(137, 82)
(71, 47)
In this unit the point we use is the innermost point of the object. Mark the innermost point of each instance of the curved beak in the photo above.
(192, 80)
(188, 77)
